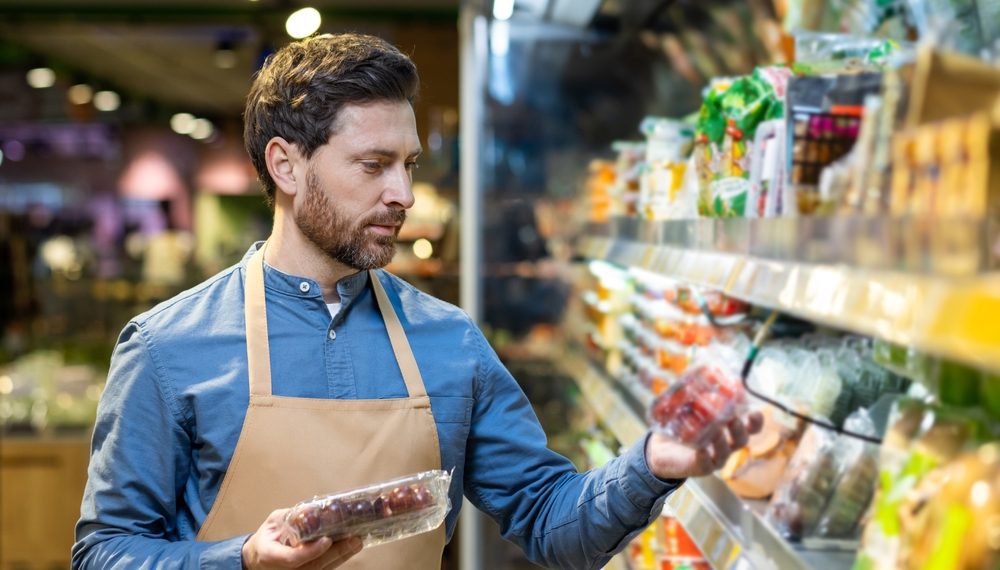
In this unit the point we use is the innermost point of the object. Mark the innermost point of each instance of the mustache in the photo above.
(393, 217)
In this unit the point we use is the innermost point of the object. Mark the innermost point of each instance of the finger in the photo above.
(720, 449)
(307, 552)
(703, 464)
(340, 553)
(738, 435)
(754, 422)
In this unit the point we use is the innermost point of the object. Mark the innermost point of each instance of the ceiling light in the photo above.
(423, 249)
(107, 100)
(41, 77)
(503, 9)
(182, 123)
(80, 94)
(202, 129)
(303, 23)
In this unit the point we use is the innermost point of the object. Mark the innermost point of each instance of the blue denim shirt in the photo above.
(177, 395)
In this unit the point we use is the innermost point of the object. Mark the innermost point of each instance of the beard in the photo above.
(331, 231)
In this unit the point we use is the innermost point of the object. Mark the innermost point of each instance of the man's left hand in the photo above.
(669, 459)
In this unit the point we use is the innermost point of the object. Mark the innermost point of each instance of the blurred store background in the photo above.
(123, 180)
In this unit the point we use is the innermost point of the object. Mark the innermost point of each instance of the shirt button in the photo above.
(333, 334)
(304, 287)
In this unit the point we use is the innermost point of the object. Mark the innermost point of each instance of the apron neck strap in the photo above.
(400, 346)
(258, 350)
(255, 311)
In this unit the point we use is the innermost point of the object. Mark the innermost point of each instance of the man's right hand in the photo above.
(264, 549)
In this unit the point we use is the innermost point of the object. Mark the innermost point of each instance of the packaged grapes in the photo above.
(376, 514)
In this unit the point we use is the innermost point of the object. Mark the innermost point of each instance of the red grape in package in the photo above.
(703, 400)
(376, 514)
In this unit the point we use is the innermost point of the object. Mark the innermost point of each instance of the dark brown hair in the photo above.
(300, 90)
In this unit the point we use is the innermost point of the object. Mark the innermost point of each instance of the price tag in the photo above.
(648, 255)
(732, 561)
(678, 503)
(720, 552)
(734, 274)
(710, 546)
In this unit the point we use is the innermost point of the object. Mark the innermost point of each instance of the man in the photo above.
(195, 457)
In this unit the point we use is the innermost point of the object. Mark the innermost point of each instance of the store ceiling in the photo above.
(164, 50)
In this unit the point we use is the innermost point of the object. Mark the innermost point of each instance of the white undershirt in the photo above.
(334, 308)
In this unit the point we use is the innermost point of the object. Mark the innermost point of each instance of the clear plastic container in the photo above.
(376, 514)
(702, 401)
(806, 485)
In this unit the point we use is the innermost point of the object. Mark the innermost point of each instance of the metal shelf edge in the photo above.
(954, 317)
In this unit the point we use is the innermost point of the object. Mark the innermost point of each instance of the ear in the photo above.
(282, 158)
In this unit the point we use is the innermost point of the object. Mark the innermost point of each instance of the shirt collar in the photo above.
(276, 280)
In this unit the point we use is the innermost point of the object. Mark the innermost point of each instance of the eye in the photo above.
(411, 166)
(371, 166)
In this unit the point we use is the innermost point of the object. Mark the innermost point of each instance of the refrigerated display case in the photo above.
(892, 295)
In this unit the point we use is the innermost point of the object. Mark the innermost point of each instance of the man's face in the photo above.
(358, 185)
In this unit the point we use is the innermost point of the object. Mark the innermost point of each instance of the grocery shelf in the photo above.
(869, 276)
(729, 531)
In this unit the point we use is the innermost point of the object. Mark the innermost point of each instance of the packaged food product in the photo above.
(668, 144)
(600, 178)
(675, 539)
(943, 168)
(962, 526)
(767, 172)
(806, 485)
(376, 514)
(702, 401)
(954, 25)
(921, 439)
(822, 53)
(857, 464)
(754, 471)
(625, 189)
(824, 122)
(727, 124)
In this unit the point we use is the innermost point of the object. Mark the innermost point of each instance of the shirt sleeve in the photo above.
(140, 458)
(560, 518)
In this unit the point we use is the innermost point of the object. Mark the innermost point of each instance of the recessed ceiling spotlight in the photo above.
(303, 23)
(107, 100)
(202, 129)
(182, 123)
(80, 94)
(41, 77)
(503, 9)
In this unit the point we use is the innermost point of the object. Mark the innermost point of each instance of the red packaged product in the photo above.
(701, 402)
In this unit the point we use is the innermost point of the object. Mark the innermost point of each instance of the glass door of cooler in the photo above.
(540, 99)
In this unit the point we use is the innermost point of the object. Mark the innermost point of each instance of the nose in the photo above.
(399, 188)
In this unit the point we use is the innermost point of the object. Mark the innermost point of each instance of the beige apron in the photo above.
(292, 449)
